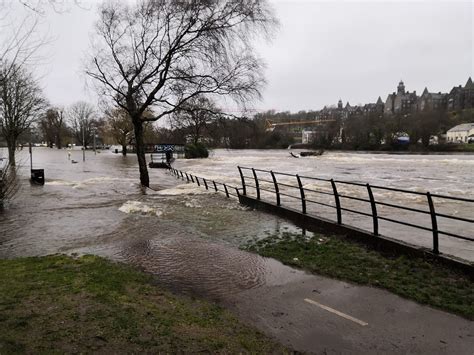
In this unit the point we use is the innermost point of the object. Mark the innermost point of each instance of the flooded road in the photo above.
(186, 236)
(189, 237)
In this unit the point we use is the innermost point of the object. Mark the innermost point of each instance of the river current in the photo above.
(190, 237)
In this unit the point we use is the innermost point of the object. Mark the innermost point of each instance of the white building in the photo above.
(307, 137)
(462, 133)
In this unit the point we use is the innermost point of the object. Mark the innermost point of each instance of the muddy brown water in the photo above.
(188, 237)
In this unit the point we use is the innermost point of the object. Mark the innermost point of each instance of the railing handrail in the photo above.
(355, 183)
(255, 180)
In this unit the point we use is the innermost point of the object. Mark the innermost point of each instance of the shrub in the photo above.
(198, 150)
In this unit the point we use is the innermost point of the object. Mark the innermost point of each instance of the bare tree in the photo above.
(52, 125)
(21, 104)
(120, 127)
(20, 41)
(194, 116)
(81, 117)
(160, 54)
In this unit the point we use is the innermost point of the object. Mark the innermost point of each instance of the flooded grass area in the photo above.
(415, 278)
(190, 239)
(88, 304)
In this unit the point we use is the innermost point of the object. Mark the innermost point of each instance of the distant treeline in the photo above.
(367, 131)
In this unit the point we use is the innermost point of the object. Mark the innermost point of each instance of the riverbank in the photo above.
(409, 149)
(337, 257)
(88, 304)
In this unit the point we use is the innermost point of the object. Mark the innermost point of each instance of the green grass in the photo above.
(415, 278)
(60, 304)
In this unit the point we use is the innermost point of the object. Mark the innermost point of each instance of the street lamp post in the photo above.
(83, 141)
(95, 152)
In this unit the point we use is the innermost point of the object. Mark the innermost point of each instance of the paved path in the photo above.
(324, 316)
(306, 312)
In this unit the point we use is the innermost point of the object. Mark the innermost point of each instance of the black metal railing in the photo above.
(281, 185)
(228, 190)
(250, 178)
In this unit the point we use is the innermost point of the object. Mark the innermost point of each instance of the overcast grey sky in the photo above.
(324, 50)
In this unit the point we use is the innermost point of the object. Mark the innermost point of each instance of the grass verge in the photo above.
(61, 304)
(337, 257)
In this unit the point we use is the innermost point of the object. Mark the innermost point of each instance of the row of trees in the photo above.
(373, 131)
(149, 60)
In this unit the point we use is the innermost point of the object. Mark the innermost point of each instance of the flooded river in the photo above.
(190, 238)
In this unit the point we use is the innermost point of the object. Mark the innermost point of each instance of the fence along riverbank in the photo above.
(273, 191)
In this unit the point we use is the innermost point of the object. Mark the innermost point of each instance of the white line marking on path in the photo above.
(335, 311)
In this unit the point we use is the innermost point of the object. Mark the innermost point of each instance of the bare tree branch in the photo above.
(160, 55)
(21, 104)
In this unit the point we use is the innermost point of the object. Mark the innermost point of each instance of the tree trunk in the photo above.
(11, 143)
(124, 149)
(58, 141)
(140, 147)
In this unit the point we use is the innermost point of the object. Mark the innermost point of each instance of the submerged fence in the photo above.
(229, 190)
(279, 186)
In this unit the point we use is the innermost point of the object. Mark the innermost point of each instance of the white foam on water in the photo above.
(139, 207)
(184, 189)
(401, 161)
(193, 203)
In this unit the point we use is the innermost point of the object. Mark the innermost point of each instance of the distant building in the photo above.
(331, 112)
(307, 136)
(429, 101)
(401, 101)
(350, 111)
(460, 98)
(377, 107)
(463, 133)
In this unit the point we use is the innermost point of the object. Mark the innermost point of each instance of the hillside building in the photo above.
(429, 101)
(400, 102)
(461, 98)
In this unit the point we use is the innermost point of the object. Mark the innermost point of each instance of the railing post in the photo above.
(373, 205)
(187, 177)
(277, 191)
(303, 199)
(192, 177)
(338, 202)
(182, 176)
(226, 191)
(205, 183)
(434, 223)
(215, 186)
(244, 190)
(197, 180)
(256, 183)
